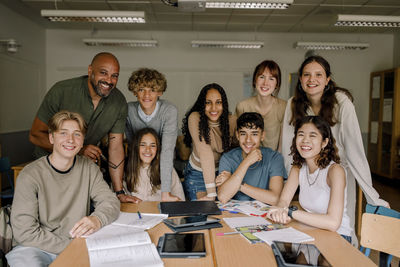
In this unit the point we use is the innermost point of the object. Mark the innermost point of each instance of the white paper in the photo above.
(374, 132)
(145, 255)
(387, 110)
(148, 220)
(245, 221)
(246, 207)
(120, 246)
(112, 236)
(285, 235)
(376, 85)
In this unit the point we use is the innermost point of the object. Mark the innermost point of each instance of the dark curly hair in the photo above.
(134, 162)
(327, 154)
(300, 102)
(204, 130)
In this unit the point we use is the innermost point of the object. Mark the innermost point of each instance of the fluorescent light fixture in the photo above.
(227, 44)
(120, 42)
(331, 46)
(249, 4)
(368, 21)
(10, 44)
(94, 16)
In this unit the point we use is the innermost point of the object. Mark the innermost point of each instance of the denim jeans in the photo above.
(193, 183)
(348, 238)
(22, 256)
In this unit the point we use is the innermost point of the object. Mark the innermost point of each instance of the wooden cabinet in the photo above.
(384, 123)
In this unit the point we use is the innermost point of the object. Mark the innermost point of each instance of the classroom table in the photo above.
(231, 250)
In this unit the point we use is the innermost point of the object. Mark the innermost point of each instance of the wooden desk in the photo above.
(232, 250)
(76, 253)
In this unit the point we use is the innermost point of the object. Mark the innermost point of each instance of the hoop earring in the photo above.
(326, 88)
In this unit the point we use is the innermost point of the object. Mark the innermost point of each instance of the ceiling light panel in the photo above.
(227, 44)
(94, 16)
(120, 42)
(331, 46)
(249, 4)
(368, 21)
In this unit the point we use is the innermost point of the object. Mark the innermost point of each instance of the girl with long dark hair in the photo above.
(207, 128)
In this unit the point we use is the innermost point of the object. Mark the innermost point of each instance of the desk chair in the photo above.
(381, 233)
(5, 170)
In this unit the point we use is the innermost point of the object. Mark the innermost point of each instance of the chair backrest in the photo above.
(381, 233)
(5, 169)
(5, 164)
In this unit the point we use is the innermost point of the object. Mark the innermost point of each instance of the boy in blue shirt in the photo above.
(251, 172)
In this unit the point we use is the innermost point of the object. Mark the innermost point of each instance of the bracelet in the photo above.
(210, 185)
(120, 192)
(212, 194)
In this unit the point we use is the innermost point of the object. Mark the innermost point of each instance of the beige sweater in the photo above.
(144, 192)
(272, 120)
(205, 157)
(47, 203)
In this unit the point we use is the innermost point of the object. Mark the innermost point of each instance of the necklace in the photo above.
(308, 176)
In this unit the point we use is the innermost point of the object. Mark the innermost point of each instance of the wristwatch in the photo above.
(120, 192)
(290, 210)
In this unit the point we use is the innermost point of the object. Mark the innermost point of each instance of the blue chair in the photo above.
(384, 258)
(5, 170)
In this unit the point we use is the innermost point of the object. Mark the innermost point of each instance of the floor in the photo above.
(389, 190)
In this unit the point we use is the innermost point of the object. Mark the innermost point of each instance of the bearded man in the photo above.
(103, 107)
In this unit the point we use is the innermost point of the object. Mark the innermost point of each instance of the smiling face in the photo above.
(249, 139)
(147, 149)
(103, 75)
(147, 98)
(309, 141)
(313, 80)
(213, 105)
(265, 83)
(68, 140)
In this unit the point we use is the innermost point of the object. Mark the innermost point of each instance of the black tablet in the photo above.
(297, 254)
(191, 221)
(189, 208)
(174, 245)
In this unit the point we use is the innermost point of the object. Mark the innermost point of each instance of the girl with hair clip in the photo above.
(322, 181)
(317, 94)
(266, 84)
(143, 168)
(208, 128)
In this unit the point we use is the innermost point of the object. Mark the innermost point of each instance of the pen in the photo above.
(140, 215)
(237, 232)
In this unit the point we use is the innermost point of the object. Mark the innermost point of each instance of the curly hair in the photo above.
(273, 68)
(300, 102)
(147, 78)
(327, 154)
(134, 163)
(204, 130)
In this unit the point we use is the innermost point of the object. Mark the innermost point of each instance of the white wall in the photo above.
(188, 69)
(22, 82)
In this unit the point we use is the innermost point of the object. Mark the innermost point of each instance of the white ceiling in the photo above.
(301, 16)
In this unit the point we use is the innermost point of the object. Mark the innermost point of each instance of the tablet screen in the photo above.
(185, 221)
(302, 254)
(186, 243)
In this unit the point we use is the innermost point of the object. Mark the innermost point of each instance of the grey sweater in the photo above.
(47, 203)
(165, 123)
